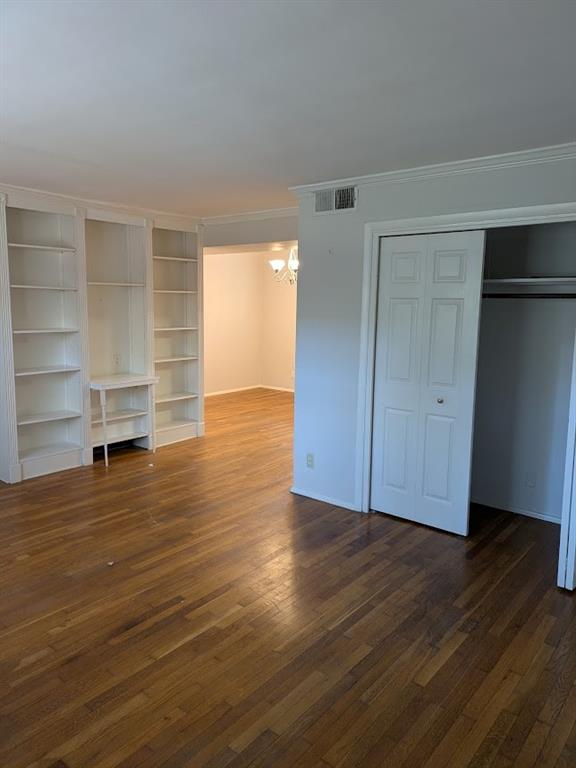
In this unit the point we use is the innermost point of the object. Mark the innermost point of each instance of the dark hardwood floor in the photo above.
(184, 609)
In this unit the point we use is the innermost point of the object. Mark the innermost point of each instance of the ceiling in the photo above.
(218, 106)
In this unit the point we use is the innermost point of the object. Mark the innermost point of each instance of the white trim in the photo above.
(114, 216)
(230, 391)
(174, 222)
(325, 499)
(54, 202)
(245, 389)
(568, 531)
(506, 217)
(237, 218)
(10, 468)
(556, 153)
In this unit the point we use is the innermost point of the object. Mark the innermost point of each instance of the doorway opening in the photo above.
(249, 330)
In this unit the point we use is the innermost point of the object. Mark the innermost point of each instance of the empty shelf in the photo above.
(173, 396)
(33, 247)
(182, 358)
(176, 423)
(120, 415)
(116, 284)
(176, 258)
(47, 450)
(162, 290)
(120, 438)
(45, 330)
(41, 418)
(46, 369)
(44, 287)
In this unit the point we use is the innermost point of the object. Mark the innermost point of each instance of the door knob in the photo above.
(439, 400)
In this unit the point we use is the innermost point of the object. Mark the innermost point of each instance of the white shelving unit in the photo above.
(46, 363)
(177, 335)
(92, 295)
(121, 396)
(132, 414)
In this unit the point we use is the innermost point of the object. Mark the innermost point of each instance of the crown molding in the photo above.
(272, 213)
(553, 154)
(26, 196)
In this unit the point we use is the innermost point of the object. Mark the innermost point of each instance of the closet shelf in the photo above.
(46, 369)
(32, 247)
(176, 258)
(531, 281)
(174, 423)
(182, 358)
(123, 414)
(176, 328)
(41, 418)
(47, 450)
(43, 287)
(115, 284)
(45, 330)
(174, 396)
(160, 290)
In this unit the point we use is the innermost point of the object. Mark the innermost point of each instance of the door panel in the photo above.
(397, 430)
(438, 455)
(398, 365)
(425, 373)
(402, 322)
(444, 340)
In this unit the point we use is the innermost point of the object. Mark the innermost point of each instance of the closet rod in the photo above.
(529, 295)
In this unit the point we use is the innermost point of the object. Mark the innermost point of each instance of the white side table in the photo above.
(103, 384)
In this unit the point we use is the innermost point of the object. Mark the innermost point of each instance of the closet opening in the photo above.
(524, 371)
(474, 383)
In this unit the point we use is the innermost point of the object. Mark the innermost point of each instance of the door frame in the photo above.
(373, 232)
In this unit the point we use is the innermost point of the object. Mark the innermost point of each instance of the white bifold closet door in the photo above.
(429, 292)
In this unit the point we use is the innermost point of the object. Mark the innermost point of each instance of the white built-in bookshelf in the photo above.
(46, 345)
(177, 335)
(100, 332)
(121, 400)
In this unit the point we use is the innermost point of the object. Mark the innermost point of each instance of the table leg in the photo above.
(104, 428)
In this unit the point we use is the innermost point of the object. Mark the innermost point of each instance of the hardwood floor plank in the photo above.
(184, 609)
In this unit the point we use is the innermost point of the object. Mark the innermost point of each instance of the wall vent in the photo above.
(338, 199)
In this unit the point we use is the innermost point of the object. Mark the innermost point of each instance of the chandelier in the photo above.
(286, 271)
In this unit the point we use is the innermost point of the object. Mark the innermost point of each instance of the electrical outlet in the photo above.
(116, 360)
(530, 480)
(310, 460)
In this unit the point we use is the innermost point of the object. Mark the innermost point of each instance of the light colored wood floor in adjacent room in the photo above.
(195, 613)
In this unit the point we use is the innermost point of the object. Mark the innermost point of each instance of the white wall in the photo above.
(232, 321)
(264, 227)
(278, 329)
(522, 403)
(330, 293)
(249, 322)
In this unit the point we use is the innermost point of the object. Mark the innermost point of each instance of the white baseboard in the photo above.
(325, 499)
(519, 511)
(245, 389)
(230, 391)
